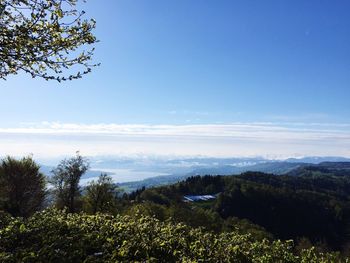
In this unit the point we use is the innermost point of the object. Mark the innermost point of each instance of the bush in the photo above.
(53, 236)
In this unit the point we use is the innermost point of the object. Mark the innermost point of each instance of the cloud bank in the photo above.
(221, 140)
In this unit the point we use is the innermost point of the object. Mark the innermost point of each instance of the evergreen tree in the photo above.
(22, 186)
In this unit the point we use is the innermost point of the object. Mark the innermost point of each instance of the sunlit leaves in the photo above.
(52, 235)
(45, 38)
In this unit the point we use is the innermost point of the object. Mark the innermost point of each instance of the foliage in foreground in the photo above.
(53, 236)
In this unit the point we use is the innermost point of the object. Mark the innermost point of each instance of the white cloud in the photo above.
(235, 139)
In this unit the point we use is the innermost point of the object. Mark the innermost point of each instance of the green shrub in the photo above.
(56, 236)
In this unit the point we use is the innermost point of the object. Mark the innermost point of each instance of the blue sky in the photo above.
(284, 64)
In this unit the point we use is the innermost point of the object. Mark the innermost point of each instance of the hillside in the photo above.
(310, 202)
(238, 166)
(301, 216)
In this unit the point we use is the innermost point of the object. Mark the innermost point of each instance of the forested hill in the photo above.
(310, 203)
(331, 168)
(225, 167)
(249, 217)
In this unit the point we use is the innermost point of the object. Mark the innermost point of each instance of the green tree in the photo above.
(65, 181)
(45, 38)
(101, 195)
(22, 186)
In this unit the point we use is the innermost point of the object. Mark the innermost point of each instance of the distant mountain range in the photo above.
(211, 166)
(161, 171)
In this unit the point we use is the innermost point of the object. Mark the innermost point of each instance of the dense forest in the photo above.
(302, 216)
(308, 205)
